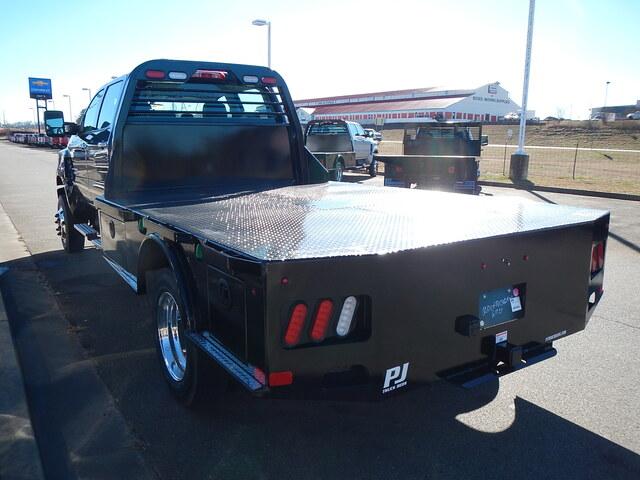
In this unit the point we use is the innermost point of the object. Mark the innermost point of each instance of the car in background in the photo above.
(634, 115)
(597, 116)
(512, 116)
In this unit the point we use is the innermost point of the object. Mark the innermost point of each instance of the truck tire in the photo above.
(338, 170)
(72, 240)
(373, 168)
(185, 368)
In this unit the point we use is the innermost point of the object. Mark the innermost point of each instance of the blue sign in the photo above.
(40, 88)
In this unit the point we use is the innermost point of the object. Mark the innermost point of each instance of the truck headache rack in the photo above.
(199, 102)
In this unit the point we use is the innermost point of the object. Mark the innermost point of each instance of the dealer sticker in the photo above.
(516, 306)
(501, 337)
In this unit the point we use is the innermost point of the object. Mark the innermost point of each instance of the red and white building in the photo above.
(483, 104)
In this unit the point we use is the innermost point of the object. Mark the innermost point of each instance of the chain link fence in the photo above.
(602, 169)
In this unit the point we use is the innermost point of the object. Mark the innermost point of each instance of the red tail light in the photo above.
(220, 75)
(321, 322)
(296, 323)
(269, 80)
(155, 74)
(597, 257)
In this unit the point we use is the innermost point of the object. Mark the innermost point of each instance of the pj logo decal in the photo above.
(395, 378)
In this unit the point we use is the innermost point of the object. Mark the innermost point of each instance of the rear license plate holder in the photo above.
(502, 305)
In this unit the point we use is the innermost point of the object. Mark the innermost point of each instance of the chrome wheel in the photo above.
(169, 321)
(339, 171)
(61, 226)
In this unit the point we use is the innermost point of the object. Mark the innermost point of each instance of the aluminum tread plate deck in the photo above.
(341, 219)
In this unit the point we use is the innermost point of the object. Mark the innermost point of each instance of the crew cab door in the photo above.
(85, 146)
(361, 145)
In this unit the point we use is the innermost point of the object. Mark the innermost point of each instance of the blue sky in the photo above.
(332, 47)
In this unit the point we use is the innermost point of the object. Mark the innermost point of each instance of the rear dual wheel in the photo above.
(190, 375)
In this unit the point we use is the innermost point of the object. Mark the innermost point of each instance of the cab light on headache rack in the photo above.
(250, 79)
(177, 75)
(269, 80)
(210, 75)
(155, 74)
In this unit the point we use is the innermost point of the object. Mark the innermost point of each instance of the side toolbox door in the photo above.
(112, 233)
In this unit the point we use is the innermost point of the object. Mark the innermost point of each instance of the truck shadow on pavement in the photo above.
(421, 434)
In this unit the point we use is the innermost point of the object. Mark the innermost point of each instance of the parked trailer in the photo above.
(252, 260)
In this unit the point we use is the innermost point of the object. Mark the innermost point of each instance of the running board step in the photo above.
(89, 233)
(242, 372)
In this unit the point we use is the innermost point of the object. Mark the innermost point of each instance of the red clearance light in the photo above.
(296, 322)
(321, 322)
(155, 74)
(279, 379)
(269, 80)
(259, 375)
(210, 75)
(452, 170)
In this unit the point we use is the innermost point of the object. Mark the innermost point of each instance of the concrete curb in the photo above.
(19, 453)
(570, 191)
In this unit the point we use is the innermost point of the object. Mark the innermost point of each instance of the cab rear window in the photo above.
(327, 129)
(169, 101)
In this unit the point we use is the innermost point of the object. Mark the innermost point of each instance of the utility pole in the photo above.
(519, 166)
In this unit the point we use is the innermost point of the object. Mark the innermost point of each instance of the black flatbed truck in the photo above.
(437, 156)
(252, 259)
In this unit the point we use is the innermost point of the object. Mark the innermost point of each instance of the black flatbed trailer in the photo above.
(298, 283)
(437, 156)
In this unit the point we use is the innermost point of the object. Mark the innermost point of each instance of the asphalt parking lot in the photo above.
(100, 408)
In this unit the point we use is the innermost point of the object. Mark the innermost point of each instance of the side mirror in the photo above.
(485, 140)
(54, 123)
(71, 128)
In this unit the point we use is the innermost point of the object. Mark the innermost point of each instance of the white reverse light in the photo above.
(346, 315)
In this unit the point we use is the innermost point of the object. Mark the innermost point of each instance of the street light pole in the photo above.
(262, 23)
(606, 93)
(70, 112)
(34, 115)
(88, 90)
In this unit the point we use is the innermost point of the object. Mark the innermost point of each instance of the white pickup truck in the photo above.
(341, 145)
